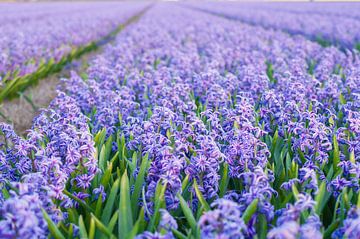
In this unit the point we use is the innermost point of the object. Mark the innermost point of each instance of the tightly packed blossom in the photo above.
(223, 222)
(35, 170)
(194, 125)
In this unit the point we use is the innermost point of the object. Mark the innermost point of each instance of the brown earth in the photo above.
(20, 111)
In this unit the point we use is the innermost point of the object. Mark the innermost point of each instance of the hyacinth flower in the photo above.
(224, 221)
(57, 148)
(21, 213)
(166, 225)
(288, 221)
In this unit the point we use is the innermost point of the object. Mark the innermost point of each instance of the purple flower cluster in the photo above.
(21, 214)
(58, 150)
(288, 221)
(224, 221)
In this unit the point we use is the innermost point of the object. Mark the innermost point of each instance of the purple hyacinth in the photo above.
(224, 221)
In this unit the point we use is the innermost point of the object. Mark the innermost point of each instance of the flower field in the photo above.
(198, 120)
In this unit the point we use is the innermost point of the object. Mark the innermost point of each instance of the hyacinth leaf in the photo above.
(224, 179)
(122, 151)
(100, 138)
(346, 199)
(5, 193)
(110, 202)
(92, 229)
(105, 154)
(102, 227)
(105, 179)
(188, 214)
(250, 210)
(108, 147)
(138, 227)
(352, 157)
(263, 225)
(178, 234)
(102, 158)
(139, 184)
(70, 232)
(159, 202)
(342, 99)
(331, 228)
(185, 183)
(337, 204)
(78, 200)
(82, 228)
(55, 232)
(73, 215)
(319, 198)
(201, 197)
(295, 191)
(113, 221)
(132, 164)
(98, 207)
(199, 212)
(336, 154)
(125, 222)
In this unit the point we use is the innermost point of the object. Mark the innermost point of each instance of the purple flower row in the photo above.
(31, 33)
(328, 22)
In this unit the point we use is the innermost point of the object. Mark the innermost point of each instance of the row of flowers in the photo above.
(333, 23)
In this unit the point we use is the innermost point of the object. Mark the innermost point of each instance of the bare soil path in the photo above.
(21, 111)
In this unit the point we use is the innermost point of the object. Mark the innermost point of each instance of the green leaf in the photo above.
(336, 154)
(102, 227)
(71, 231)
(295, 191)
(185, 183)
(125, 214)
(54, 230)
(113, 221)
(250, 210)
(138, 224)
(224, 180)
(105, 179)
(159, 202)
(100, 137)
(328, 232)
(82, 228)
(138, 185)
(132, 164)
(178, 234)
(262, 227)
(352, 157)
(92, 228)
(102, 158)
(321, 198)
(201, 197)
(188, 213)
(110, 202)
(342, 99)
(98, 208)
